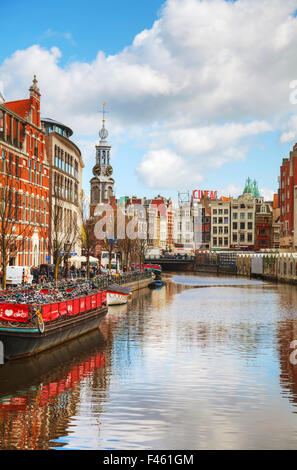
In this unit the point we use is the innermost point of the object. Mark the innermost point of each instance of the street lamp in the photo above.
(67, 247)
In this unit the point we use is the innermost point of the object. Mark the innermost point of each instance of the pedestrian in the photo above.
(72, 271)
(35, 273)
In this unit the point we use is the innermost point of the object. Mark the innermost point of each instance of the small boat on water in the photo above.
(29, 329)
(117, 295)
(157, 283)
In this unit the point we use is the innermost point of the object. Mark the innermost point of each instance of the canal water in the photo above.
(203, 363)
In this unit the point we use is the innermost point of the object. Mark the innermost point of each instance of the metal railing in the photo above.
(170, 258)
(88, 287)
(131, 277)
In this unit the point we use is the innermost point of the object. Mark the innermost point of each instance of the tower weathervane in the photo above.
(103, 134)
(103, 111)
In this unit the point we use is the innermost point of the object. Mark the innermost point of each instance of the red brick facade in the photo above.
(263, 226)
(24, 168)
(288, 179)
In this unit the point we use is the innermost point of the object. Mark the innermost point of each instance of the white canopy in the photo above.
(77, 259)
(82, 259)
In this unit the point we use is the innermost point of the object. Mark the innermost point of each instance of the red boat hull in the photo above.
(23, 341)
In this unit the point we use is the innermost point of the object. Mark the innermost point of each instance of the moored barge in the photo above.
(117, 295)
(29, 329)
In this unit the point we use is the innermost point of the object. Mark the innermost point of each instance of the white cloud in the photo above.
(205, 79)
(203, 140)
(235, 190)
(231, 190)
(267, 193)
(290, 132)
(164, 169)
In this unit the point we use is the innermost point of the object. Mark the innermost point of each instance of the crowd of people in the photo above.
(46, 272)
(170, 255)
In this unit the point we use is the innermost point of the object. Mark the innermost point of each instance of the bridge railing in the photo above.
(170, 258)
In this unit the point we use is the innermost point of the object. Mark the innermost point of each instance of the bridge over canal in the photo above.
(208, 262)
(173, 263)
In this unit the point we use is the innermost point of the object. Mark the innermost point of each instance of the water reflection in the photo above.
(39, 396)
(201, 363)
(286, 333)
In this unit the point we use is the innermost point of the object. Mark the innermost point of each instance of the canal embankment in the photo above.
(139, 284)
(135, 281)
(273, 267)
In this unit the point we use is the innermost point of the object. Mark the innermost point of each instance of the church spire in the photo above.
(248, 186)
(102, 185)
(34, 88)
(103, 133)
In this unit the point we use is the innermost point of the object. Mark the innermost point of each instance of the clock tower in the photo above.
(102, 184)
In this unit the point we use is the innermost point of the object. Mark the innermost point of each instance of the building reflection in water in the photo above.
(38, 396)
(286, 333)
(196, 363)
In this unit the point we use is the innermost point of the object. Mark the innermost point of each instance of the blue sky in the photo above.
(197, 91)
(78, 28)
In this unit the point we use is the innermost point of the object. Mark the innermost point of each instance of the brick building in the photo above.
(287, 184)
(66, 165)
(24, 170)
(160, 222)
(276, 222)
(202, 223)
(263, 226)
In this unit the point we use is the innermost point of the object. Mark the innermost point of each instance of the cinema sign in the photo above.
(199, 194)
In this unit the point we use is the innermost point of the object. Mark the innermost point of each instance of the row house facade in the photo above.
(243, 223)
(220, 223)
(243, 232)
(287, 201)
(25, 171)
(66, 167)
(202, 224)
(276, 225)
(263, 226)
(160, 218)
(184, 216)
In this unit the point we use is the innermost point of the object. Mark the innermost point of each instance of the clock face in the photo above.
(108, 171)
(97, 170)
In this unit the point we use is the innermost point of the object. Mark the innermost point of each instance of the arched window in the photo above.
(109, 192)
(56, 157)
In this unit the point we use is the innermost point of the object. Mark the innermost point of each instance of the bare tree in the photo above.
(110, 245)
(141, 247)
(11, 228)
(87, 236)
(64, 232)
(127, 244)
(106, 222)
(126, 247)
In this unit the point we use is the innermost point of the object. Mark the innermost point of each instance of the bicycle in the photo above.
(39, 320)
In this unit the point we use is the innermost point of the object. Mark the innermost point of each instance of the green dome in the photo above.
(251, 188)
(256, 191)
(248, 187)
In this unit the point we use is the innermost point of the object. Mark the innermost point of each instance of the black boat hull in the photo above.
(24, 342)
(156, 284)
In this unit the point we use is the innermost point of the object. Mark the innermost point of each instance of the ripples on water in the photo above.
(202, 363)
